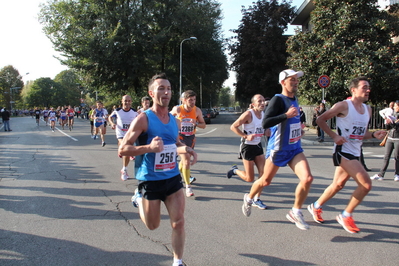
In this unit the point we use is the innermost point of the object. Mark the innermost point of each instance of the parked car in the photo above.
(212, 112)
(222, 109)
(206, 115)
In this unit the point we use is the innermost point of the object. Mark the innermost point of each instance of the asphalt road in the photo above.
(62, 202)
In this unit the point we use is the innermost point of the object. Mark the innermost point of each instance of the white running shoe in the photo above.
(376, 177)
(246, 206)
(124, 175)
(189, 192)
(396, 178)
(298, 220)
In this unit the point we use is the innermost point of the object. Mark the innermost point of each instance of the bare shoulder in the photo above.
(175, 110)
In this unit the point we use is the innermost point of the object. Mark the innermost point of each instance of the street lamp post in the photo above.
(181, 64)
(11, 101)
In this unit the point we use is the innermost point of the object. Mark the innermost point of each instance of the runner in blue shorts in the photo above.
(284, 147)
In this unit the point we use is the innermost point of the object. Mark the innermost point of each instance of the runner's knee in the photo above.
(178, 224)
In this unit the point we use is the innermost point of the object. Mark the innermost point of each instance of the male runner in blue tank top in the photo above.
(284, 146)
(352, 128)
(159, 176)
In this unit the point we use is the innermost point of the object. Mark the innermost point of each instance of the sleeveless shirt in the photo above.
(161, 165)
(352, 127)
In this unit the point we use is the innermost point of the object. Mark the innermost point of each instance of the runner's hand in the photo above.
(292, 112)
(156, 144)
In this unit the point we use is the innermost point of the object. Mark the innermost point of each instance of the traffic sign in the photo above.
(324, 81)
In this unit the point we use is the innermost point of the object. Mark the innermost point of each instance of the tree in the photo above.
(119, 44)
(70, 81)
(224, 97)
(45, 92)
(10, 78)
(259, 50)
(349, 38)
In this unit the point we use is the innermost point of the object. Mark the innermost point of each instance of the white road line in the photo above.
(66, 134)
(206, 132)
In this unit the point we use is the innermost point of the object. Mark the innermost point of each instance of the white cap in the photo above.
(288, 73)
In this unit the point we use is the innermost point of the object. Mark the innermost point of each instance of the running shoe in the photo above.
(396, 178)
(103, 144)
(377, 177)
(298, 220)
(258, 203)
(52, 130)
(348, 224)
(124, 175)
(230, 173)
(189, 192)
(192, 179)
(137, 197)
(95, 137)
(316, 213)
(246, 206)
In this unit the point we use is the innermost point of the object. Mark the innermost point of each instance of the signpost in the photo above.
(324, 81)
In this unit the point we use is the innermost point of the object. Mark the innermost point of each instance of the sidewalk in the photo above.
(310, 138)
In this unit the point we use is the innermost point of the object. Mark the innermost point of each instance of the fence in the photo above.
(376, 121)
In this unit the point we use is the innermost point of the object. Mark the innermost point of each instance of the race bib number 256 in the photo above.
(166, 159)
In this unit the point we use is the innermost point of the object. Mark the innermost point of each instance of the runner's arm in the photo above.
(340, 108)
(200, 120)
(138, 126)
(275, 113)
(243, 119)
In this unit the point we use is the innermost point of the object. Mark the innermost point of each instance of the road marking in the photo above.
(66, 134)
(206, 132)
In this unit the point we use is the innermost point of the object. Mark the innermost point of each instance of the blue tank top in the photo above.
(162, 165)
(287, 134)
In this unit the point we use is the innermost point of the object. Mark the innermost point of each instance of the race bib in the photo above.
(295, 133)
(125, 127)
(99, 119)
(259, 132)
(357, 133)
(166, 159)
(187, 127)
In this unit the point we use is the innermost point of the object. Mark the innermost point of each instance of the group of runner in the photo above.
(155, 136)
(282, 117)
(63, 114)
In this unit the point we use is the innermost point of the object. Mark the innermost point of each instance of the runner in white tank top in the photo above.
(251, 150)
(352, 120)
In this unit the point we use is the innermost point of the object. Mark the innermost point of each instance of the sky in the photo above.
(24, 45)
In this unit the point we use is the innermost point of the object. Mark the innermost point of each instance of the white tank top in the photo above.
(352, 127)
(255, 127)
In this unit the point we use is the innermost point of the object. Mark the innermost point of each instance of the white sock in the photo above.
(177, 262)
(124, 168)
(249, 200)
(296, 211)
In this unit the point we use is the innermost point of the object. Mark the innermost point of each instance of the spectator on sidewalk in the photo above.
(318, 112)
(392, 144)
(5, 115)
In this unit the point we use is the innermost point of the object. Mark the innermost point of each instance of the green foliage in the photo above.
(70, 81)
(44, 92)
(9, 78)
(259, 50)
(224, 97)
(349, 39)
(118, 45)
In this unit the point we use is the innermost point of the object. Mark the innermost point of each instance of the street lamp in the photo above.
(181, 64)
(11, 101)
